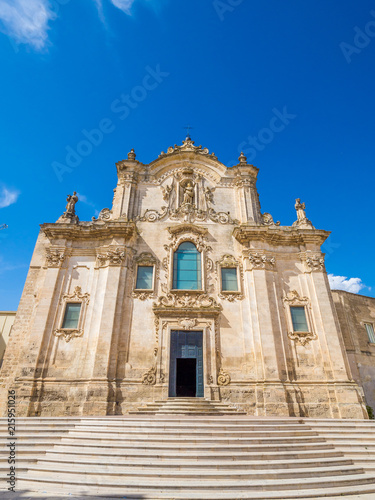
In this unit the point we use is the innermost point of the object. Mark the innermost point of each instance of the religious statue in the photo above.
(302, 221)
(188, 193)
(166, 192)
(208, 193)
(70, 207)
(300, 207)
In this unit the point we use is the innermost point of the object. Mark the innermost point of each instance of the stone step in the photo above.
(124, 472)
(184, 463)
(202, 455)
(364, 492)
(168, 484)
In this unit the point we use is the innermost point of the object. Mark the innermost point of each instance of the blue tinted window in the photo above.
(229, 279)
(144, 277)
(71, 315)
(299, 319)
(187, 268)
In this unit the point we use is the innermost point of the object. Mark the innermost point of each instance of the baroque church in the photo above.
(183, 288)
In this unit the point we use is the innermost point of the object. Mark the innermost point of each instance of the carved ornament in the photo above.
(149, 378)
(187, 145)
(186, 301)
(77, 296)
(293, 299)
(314, 262)
(54, 258)
(187, 323)
(259, 261)
(267, 220)
(223, 378)
(111, 257)
(229, 261)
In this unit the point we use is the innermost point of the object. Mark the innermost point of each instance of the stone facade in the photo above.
(6, 323)
(354, 312)
(119, 353)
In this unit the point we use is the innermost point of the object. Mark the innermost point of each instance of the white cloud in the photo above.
(124, 5)
(8, 197)
(353, 285)
(26, 21)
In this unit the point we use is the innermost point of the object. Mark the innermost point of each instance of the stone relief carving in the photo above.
(105, 214)
(188, 200)
(54, 257)
(187, 323)
(77, 296)
(188, 145)
(302, 221)
(293, 299)
(149, 378)
(111, 257)
(259, 261)
(314, 263)
(223, 378)
(186, 301)
(267, 220)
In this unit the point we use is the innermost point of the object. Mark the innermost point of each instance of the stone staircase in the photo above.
(187, 406)
(219, 456)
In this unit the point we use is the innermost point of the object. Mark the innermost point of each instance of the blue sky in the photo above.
(140, 70)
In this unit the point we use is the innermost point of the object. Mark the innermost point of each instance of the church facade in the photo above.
(183, 288)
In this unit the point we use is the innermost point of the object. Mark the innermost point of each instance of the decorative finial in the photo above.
(70, 211)
(302, 221)
(188, 128)
(242, 158)
(131, 154)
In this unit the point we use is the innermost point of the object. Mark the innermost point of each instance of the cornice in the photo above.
(279, 234)
(88, 230)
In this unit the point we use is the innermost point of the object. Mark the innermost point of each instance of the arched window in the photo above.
(187, 268)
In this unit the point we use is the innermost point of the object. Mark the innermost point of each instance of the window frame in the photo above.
(144, 264)
(229, 262)
(77, 297)
(202, 270)
(306, 317)
(365, 323)
(293, 299)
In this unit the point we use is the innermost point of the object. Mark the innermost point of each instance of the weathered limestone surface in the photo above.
(353, 312)
(119, 354)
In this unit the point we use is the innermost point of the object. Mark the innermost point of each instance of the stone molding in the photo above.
(149, 378)
(93, 230)
(226, 261)
(280, 235)
(146, 259)
(294, 299)
(77, 296)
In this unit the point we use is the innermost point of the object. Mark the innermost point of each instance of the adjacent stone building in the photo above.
(356, 314)
(6, 323)
(181, 288)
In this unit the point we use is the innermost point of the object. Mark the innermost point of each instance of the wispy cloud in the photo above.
(83, 198)
(353, 285)
(8, 197)
(124, 5)
(26, 21)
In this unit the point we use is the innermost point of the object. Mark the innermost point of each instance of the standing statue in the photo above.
(302, 221)
(188, 193)
(300, 207)
(70, 207)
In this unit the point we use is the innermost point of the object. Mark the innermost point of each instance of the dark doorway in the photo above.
(186, 380)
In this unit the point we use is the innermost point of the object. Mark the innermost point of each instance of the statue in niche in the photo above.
(301, 210)
(188, 194)
(70, 207)
(169, 195)
(209, 195)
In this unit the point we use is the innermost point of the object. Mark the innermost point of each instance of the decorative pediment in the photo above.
(187, 232)
(187, 145)
(291, 299)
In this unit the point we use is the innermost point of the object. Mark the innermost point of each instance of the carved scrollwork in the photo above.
(54, 258)
(111, 257)
(68, 334)
(228, 261)
(187, 323)
(105, 214)
(259, 261)
(77, 295)
(149, 378)
(267, 220)
(187, 145)
(143, 295)
(314, 263)
(302, 338)
(186, 301)
(223, 378)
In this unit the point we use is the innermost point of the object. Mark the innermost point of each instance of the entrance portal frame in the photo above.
(209, 326)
